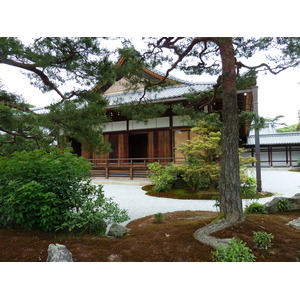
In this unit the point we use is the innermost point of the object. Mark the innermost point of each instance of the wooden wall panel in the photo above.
(114, 141)
(123, 145)
(151, 144)
(179, 138)
(164, 146)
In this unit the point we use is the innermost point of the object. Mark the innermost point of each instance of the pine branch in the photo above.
(32, 68)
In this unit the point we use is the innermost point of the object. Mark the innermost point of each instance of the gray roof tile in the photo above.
(276, 138)
(170, 92)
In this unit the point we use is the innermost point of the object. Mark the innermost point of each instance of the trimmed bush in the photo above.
(50, 190)
(163, 176)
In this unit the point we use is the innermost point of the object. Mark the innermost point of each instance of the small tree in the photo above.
(202, 153)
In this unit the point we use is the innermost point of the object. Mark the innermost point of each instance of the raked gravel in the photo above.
(130, 196)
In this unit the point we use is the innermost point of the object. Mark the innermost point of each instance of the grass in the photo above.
(170, 241)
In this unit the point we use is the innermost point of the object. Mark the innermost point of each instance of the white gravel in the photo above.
(129, 194)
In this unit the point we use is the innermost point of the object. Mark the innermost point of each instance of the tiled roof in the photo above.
(165, 93)
(276, 138)
(170, 92)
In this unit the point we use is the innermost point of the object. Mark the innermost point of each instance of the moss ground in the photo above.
(170, 241)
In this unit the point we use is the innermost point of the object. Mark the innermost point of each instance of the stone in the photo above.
(294, 202)
(114, 258)
(59, 253)
(117, 231)
(295, 223)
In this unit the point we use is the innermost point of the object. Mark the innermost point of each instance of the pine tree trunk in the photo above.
(230, 194)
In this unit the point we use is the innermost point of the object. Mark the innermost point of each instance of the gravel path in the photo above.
(129, 194)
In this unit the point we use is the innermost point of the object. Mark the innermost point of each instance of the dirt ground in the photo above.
(170, 241)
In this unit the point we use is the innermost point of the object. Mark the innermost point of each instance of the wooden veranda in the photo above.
(130, 168)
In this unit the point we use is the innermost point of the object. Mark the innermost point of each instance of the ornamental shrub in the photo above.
(255, 208)
(235, 252)
(50, 190)
(163, 176)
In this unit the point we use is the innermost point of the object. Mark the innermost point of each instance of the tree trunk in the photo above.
(230, 193)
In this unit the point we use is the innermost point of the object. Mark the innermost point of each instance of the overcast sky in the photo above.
(277, 94)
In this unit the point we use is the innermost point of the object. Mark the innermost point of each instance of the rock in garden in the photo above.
(116, 230)
(295, 223)
(294, 203)
(59, 253)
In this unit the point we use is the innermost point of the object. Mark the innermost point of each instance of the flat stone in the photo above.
(295, 223)
(117, 231)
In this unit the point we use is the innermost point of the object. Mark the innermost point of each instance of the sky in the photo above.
(277, 94)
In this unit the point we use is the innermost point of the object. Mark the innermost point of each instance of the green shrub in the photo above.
(248, 188)
(163, 176)
(50, 190)
(262, 239)
(235, 252)
(255, 208)
(28, 205)
(197, 175)
(95, 213)
(159, 217)
(283, 204)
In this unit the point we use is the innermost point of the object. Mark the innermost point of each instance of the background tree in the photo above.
(69, 66)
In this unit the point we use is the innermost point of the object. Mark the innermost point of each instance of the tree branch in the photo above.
(241, 65)
(169, 44)
(24, 109)
(32, 68)
(15, 134)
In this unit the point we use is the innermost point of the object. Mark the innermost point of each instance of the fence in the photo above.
(132, 168)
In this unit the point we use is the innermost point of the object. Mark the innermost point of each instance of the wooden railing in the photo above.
(127, 167)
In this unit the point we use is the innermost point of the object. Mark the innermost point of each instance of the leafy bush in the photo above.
(163, 176)
(159, 217)
(201, 168)
(235, 252)
(50, 190)
(262, 239)
(95, 212)
(28, 205)
(248, 188)
(283, 204)
(255, 208)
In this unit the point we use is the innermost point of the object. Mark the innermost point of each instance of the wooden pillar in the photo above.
(257, 143)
